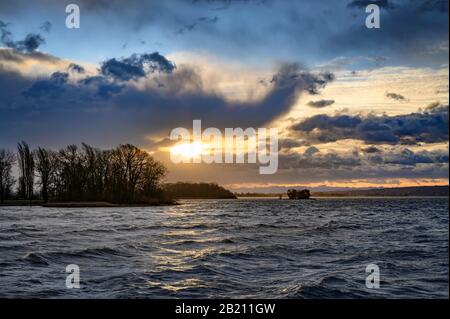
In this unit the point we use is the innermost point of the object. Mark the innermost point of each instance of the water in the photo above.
(229, 248)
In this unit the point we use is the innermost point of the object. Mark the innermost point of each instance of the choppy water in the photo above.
(229, 248)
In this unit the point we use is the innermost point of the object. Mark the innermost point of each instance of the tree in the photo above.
(45, 168)
(94, 165)
(123, 175)
(26, 168)
(7, 160)
(296, 194)
(135, 175)
(71, 174)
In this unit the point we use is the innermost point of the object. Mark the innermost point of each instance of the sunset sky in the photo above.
(355, 107)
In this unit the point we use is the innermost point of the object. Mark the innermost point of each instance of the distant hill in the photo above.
(398, 191)
(197, 190)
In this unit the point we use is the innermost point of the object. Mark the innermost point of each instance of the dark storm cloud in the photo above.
(317, 161)
(93, 105)
(422, 6)
(313, 158)
(136, 66)
(320, 103)
(177, 106)
(428, 126)
(365, 3)
(407, 34)
(389, 164)
(31, 42)
(52, 87)
(409, 31)
(434, 5)
(11, 85)
(99, 87)
(409, 158)
(292, 74)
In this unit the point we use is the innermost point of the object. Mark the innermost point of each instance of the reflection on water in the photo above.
(229, 248)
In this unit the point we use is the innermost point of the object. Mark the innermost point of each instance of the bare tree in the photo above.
(135, 173)
(7, 160)
(71, 173)
(125, 174)
(26, 168)
(45, 169)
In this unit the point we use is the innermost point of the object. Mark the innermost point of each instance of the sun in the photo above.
(188, 150)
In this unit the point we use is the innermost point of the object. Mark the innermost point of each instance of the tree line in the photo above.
(197, 190)
(123, 175)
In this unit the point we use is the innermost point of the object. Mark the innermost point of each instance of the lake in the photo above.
(245, 248)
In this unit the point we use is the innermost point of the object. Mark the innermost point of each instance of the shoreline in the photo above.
(19, 203)
(85, 204)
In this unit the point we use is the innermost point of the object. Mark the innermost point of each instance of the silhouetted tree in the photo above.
(94, 165)
(133, 175)
(71, 174)
(45, 168)
(7, 160)
(125, 174)
(26, 168)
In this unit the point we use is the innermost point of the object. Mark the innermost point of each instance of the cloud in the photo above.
(428, 126)
(136, 66)
(371, 150)
(365, 3)
(320, 103)
(406, 157)
(392, 159)
(31, 42)
(288, 143)
(46, 26)
(316, 160)
(261, 28)
(11, 55)
(434, 5)
(73, 67)
(409, 32)
(293, 74)
(395, 96)
(200, 21)
(98, 87)
(52, 87)
(310, 151)
(165, 97)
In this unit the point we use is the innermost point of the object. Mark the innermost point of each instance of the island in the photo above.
(298, 194)
(185, 190)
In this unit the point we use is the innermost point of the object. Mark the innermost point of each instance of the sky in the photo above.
(355, 107)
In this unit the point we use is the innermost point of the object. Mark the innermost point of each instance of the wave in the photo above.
(314, 250)
(46, 258)
(331, 286)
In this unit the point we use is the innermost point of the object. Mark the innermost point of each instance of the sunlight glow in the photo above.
(188, 150)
